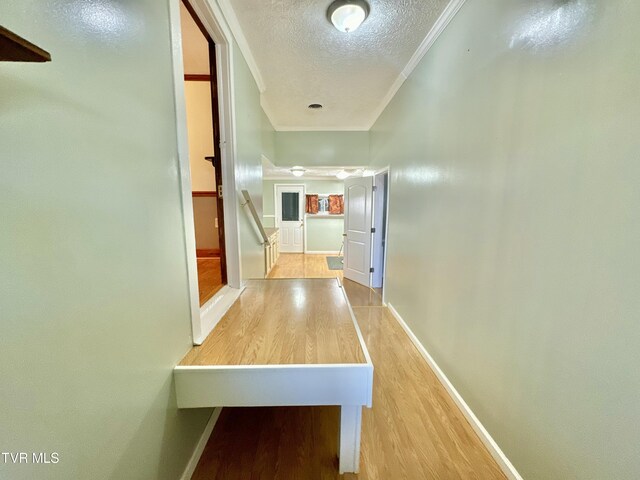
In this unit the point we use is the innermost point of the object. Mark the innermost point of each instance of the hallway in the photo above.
(413, 431)
(303, 265)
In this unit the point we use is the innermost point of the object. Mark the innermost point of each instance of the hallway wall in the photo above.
(324, 149)
(94, 303)
(252, 132)
(514, 225)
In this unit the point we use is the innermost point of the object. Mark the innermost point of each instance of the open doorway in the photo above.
(366, 224)
(201, 100)
(379, 240)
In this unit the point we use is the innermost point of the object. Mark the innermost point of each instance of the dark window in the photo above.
(290, 207)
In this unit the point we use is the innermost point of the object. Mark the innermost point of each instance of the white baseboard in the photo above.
(495, 451)
(322, 252)
(197, 453)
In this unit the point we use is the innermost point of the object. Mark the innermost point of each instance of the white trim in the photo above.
(324, 215)
(236, 30)
(506, 466)
(441, 23)
(349, 440)
(214, 309)
(322, 252)
(211, 17)
(331, 178)
(273, 385)
(202, 443)
(268, 216)
(284, 128)
(184, 168)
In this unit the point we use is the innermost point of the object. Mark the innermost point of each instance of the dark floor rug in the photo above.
(334, 263)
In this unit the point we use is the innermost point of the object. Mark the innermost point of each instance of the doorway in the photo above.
(203, 132)
(290, 217)
(365, 229)
(379, 242)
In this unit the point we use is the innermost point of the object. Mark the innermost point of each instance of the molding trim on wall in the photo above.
(197, 77)
(307, 177)
(203, 193)
(236, 30)
(447, 15)
(360, 128)
(269, 216)
(322, 252)
(207, 252)
(498, 455)
(204, 438)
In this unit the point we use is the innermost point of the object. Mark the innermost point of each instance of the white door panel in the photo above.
(358, 196)
(290, 217)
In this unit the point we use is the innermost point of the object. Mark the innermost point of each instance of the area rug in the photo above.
(334, 263)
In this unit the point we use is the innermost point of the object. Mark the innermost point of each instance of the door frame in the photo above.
(386, 170)
(304, 216)
(204, 319)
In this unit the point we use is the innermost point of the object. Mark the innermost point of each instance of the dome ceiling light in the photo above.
(348, 15)
(297, 171)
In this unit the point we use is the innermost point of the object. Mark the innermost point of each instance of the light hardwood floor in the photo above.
(209, 278)
(414, 430)
(301, 265)
(277, 322)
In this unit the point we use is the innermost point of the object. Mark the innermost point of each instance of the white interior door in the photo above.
(358, 195)
(290, 217)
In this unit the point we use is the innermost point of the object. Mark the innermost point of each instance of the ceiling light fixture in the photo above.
(348, 15)
(342, 174)
(297, 171)
(315, 106)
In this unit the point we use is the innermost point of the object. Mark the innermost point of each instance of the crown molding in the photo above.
(321, 129)
(236, 30)
(445, 17)
(303, 178)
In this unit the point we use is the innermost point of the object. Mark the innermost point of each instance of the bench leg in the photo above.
(349, 443)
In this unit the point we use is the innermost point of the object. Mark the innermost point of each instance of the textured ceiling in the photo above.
(303, 59)
(195, 48)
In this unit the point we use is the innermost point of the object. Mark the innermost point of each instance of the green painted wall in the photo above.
(93, 277)
(342, 149)
(268, 138)
(514, 226)
(323, 234)
(252, 134)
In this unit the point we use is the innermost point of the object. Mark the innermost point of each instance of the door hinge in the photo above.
(371, 270)
(373, 230)
(375, 188)
(219, 191)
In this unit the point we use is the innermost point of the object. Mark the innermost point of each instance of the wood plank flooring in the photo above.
(300, 265)
(414, 430)
(209, 278)
(277, 322)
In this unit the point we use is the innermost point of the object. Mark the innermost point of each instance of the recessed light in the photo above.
(315, 106)
(348, 15)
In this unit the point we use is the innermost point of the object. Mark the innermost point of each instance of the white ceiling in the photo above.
(195, 48)
(301, 58)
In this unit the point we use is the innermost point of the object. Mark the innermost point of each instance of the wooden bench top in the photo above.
(283, 322)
